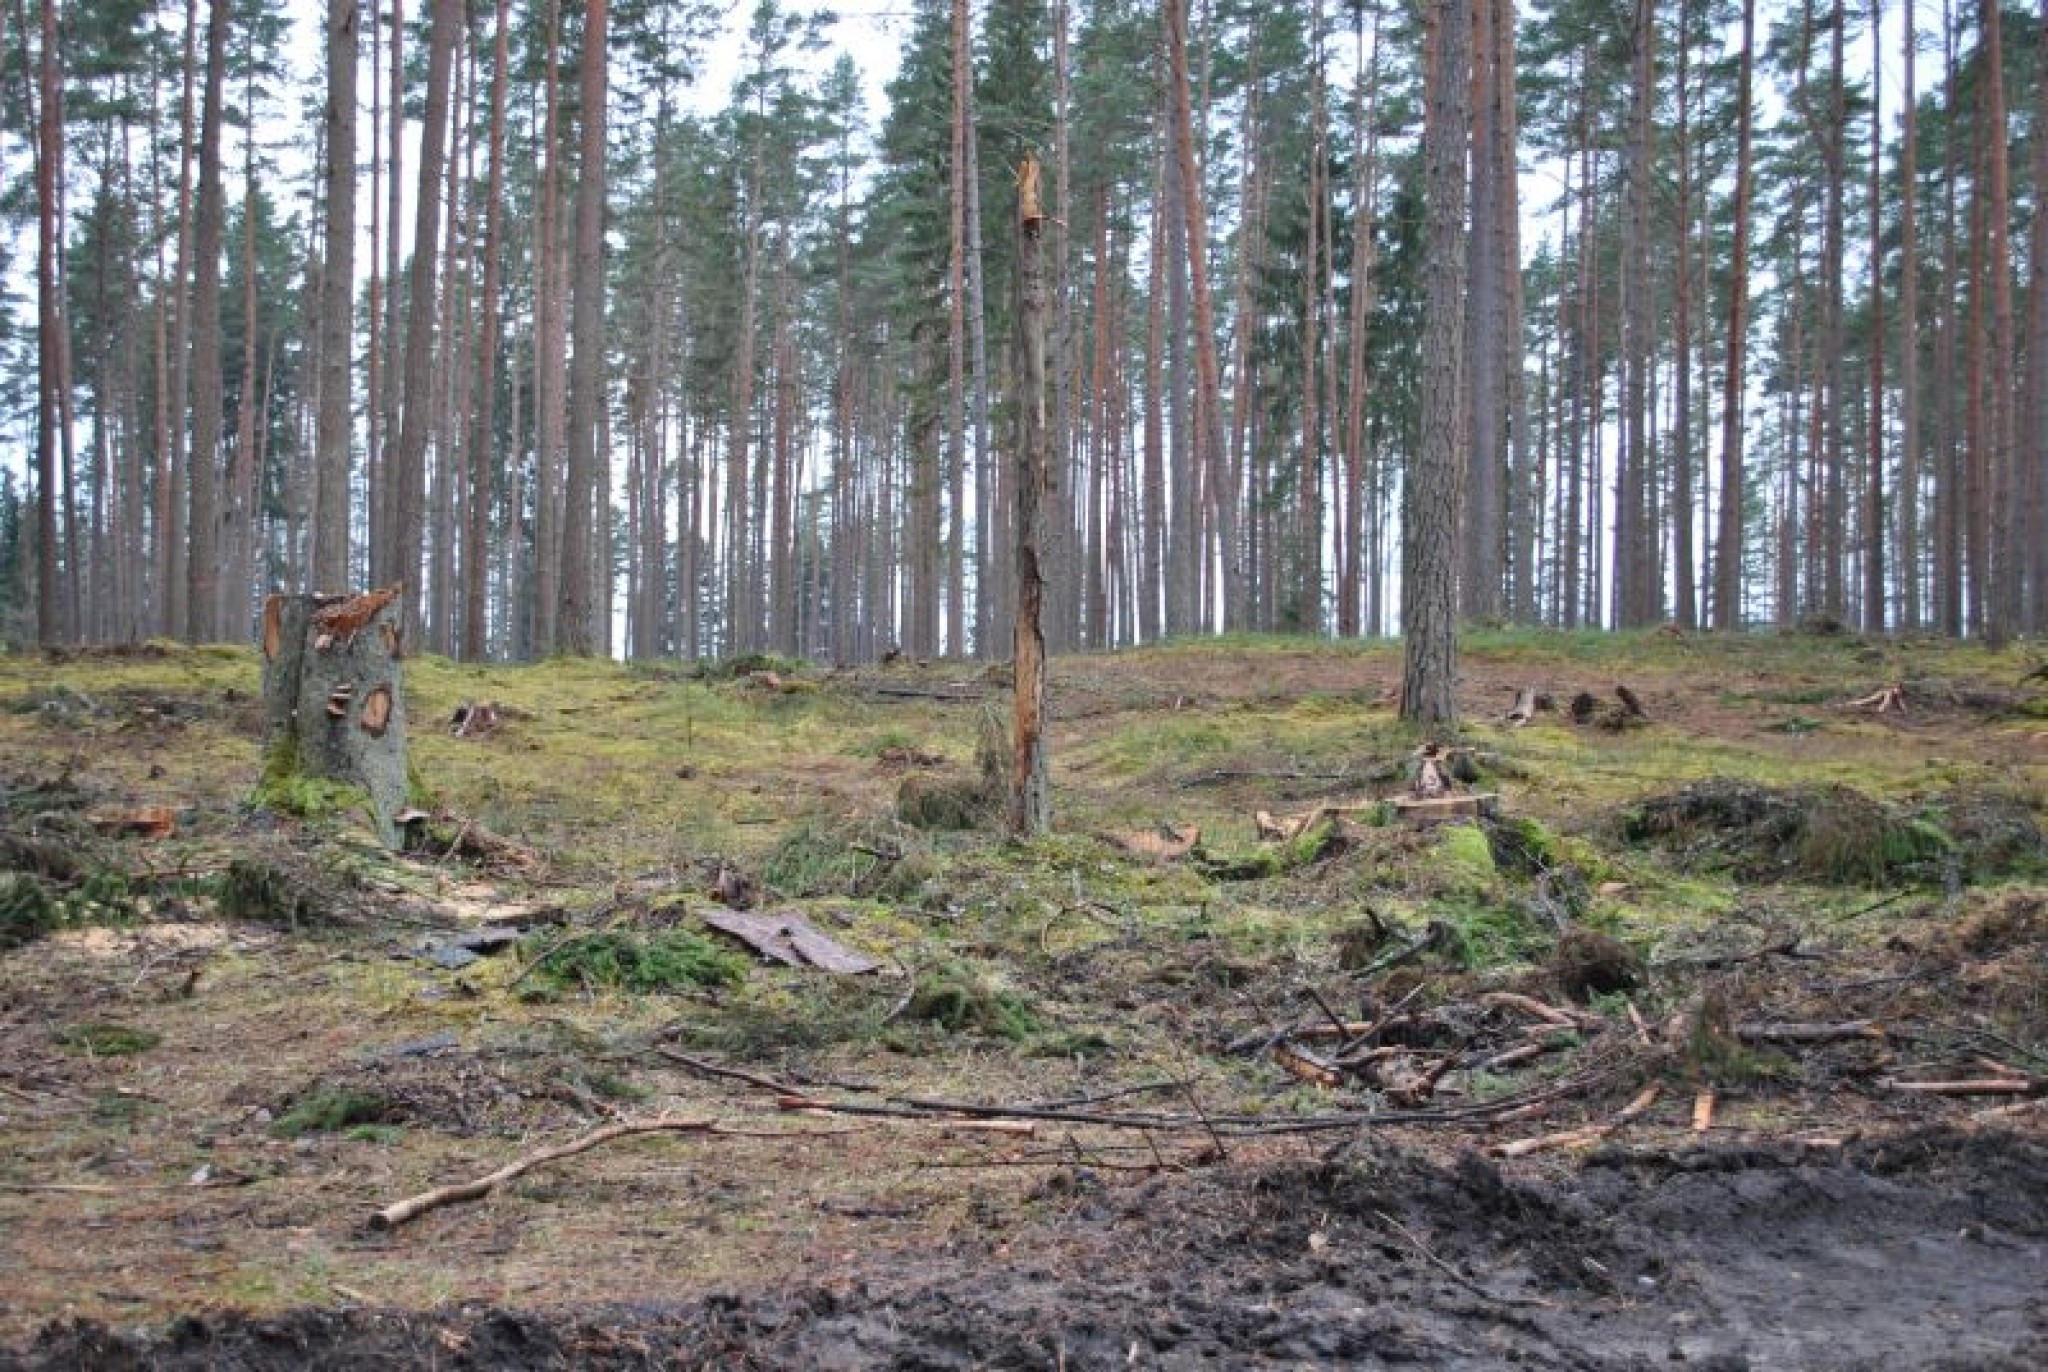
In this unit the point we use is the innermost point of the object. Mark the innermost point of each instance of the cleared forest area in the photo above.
(1724, 1035)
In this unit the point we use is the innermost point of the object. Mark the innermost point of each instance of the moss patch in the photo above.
(105, 1040)
(667, 961)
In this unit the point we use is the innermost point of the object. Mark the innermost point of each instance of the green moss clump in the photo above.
(103, 1040)
(1306, 848)
(26, 910)
(672, 960)
(958, 998)
(331, 1109)
(1463, 858)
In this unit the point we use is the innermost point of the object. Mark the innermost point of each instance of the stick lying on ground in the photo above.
(412, 1207)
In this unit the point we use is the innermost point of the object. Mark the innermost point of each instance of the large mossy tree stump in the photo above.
(334, 697)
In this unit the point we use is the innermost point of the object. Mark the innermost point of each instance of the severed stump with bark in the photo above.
(333, 696)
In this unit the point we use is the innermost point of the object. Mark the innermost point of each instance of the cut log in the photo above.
(1527, 703)
(333, 695)
(1423, 810)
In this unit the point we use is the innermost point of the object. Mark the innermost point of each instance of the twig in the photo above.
(712, 1069)
(412, 1207)
(1983, 1086)
(1893, 899)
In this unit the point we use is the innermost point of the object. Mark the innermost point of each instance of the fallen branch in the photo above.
(412, 1207)
(1703, 1112)
(1810, 1033)
(1982, 1086)
(1532, 1007)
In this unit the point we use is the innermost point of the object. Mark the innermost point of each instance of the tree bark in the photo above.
(337, 307)
(202, 579)
(587, 530)
(1433, 494)
(49, 324)
(1728, 551)
(1030, 790)
(334, 694)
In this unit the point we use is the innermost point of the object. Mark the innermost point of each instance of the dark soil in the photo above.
(1921, 1251)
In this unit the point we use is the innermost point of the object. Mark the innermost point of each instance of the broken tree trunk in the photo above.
(334, 698)
(1030, 798)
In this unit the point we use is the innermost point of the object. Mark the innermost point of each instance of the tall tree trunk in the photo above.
(1364, 213)
(482, 458)
(2004, 569)
(202, 579)
(1686, 606)
(1480, 537)
(1030, 788)
(417, 419)
(49, 322)
(580, 535)
(1873, 482)
(2033, 452)
(1728, 551)
(337, 308)
(1433, 494)
(1307, 588)
(1635, 597)
(1909, 332)
(550, 329)
(1208, 382)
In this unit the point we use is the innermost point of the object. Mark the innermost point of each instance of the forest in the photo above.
(592, 358)
(1023, 684)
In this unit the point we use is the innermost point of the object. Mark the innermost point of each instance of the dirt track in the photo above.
(1921, 1251)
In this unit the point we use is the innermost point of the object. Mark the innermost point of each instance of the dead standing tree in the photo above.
(1030, 799)
(333, 697)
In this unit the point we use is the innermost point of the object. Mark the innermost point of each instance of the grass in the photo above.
(333, 1110)
(107, 1040)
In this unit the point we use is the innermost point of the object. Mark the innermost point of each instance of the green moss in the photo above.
(104, 1040)
(1463, 859)
(960, 998)
(668, 961)
(26, 910)
(331, 1109)
(262, 893)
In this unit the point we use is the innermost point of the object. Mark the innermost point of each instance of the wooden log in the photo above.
(1425, 810)
(1030, 808)
(1809, 1033)
(1524, 708)
(1703, 1112)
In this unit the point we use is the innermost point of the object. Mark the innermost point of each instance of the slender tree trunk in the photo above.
(1909, 333)
(417, 419)
(2005, 569)
(1728, 552)
(202, 578)
(1635, 598)
(482, 459)
(337, 307)
(1873, 484)
(50, 324)
(1480, 536)
(1208, 382)
(1686, 607)
(1030, 788)
(1433, 494)
(587, 529)
(2033, 452)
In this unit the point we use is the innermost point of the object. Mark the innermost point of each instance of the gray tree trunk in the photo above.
(334, 695)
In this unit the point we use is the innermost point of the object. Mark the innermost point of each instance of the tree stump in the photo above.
(333, 694)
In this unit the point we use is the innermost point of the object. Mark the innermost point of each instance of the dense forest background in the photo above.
(1754, 320)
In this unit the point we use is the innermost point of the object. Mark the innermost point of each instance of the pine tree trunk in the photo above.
(2003, 490)
(1433, 495)
(1873, 484)
(1729, 539)
(1030, 789)
(202, 578)
(1208, 382)
(49, 323)
(1909, 333)
(580, 534)
(333, 441)
(482, 460)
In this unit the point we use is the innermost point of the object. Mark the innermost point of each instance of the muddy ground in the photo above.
(1349, 1102)
(1926, 1249)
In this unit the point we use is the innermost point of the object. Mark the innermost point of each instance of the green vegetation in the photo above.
(669, 961)
(960, 998)
(329, 1109)
(104, 1040)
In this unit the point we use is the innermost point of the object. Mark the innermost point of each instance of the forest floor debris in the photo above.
(1363, 1091)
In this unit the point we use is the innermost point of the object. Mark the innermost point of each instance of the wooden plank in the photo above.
(788, 938)
(1437, 809)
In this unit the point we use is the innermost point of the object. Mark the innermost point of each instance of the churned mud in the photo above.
(1923, 1250)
